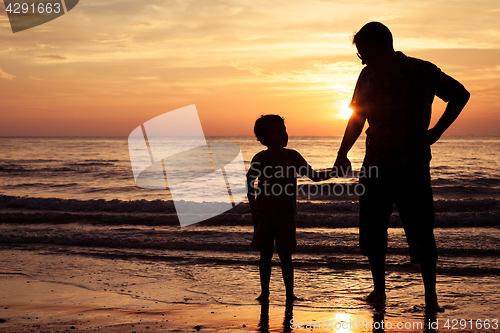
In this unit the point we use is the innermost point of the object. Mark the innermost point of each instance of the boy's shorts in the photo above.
(269, 228)
(410, 190)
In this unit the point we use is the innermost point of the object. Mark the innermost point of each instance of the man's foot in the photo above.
(293, 298)
(264, 297)
(376, 298)
(432, 306)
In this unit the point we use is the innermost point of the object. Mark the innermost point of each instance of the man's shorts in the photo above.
(410, 190)
(269, 228)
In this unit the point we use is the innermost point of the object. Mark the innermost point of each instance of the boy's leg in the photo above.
(287, 271)
(265, 274)
(286, 244)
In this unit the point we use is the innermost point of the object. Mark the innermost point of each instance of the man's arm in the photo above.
(455, 105)
(352, 133)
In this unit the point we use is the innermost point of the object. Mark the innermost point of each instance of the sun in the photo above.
(345, 112)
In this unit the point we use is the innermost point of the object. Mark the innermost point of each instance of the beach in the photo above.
(146, 302)
(53, 307)
(108, 288)
(84, 249)
(131, 133)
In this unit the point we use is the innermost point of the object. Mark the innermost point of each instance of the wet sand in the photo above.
(59, 290)
(35, 306)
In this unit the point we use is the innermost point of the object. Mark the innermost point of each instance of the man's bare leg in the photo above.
(428, 270)
(377, 266)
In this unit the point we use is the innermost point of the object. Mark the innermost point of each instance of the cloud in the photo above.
(6, 76)
(53, 56)
(145, 78)
(386, 17)
(253, 70)
(306, 76)
(107, 38)
(46, 46)
(251, 38)
(434, 43)
(341, 88)
(190, 50)
(142, 24)
(345, 67)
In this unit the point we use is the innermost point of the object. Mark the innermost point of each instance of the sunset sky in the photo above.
(109, 65)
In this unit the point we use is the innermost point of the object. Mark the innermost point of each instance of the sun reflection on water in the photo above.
(340, 322)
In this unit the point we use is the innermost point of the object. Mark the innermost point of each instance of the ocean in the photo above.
(70, 205)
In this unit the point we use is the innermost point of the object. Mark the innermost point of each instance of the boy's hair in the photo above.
(263, 124)
(374, 33)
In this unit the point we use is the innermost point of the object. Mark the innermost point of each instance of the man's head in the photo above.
(270, 130)
(374, 43)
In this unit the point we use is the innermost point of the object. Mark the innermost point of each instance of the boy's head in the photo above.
(270, 130)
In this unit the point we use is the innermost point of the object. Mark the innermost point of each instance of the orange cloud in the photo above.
(52, 56)
(6, 76)
(134, 60)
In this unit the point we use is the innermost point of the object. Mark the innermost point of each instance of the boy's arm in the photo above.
(304, 169)
(251, 193)
(252, 175)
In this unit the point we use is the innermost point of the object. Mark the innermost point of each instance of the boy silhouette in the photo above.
(273, 202)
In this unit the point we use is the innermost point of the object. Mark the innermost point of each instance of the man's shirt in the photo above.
(398, 110)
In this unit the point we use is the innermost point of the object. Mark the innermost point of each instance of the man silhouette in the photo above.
(394, 93)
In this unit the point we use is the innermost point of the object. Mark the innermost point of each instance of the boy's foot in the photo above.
(264, 297)
(376, 298)
(432, 306)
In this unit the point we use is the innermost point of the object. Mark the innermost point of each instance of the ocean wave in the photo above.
(236, 239)
(91, 163)
(231, 218)
(42, 185)
(167, 206)
(467, 205)
(101, 161)
(77, 167)
(449, 214)
(12, 168)
(479, 180)
(460, 191)
(37, 160)
(74, 205)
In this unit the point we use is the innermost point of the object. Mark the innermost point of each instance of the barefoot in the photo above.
(293, 298)
(376, 297)
(264, 297)
(432, 306)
